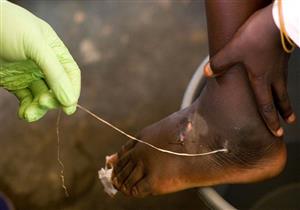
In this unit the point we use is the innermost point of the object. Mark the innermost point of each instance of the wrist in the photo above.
(271, 29)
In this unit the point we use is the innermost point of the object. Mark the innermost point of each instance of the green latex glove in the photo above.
(35, 65)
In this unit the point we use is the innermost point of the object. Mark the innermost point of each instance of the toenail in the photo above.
(124, 189)
(115, 181)
(291, 118)
(189, 127)
(111, 160)
(279, 132)
(134, 191)
(181, 137)
(207, 70)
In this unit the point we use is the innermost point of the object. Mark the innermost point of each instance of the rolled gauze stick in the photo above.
(105, 178)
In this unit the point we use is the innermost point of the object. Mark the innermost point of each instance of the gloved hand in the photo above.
(35, 65)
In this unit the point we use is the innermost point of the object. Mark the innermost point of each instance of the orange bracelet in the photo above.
(283, 34)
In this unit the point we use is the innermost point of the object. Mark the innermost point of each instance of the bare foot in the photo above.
(224, 115)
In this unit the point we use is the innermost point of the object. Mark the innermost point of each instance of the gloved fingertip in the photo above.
(48, 101)
(21, 113)
(23, 106)
(66, 98)
(34, 112)
(70, 110)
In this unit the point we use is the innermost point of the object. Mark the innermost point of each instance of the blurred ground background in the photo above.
(136, 59)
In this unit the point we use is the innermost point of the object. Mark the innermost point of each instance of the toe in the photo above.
(111, 160)
(121, 163)
(135, 176)
(142, 188)
(126, 147)
(122, 176)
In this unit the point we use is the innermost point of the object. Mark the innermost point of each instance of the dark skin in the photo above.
(257, 46)
(223, 115)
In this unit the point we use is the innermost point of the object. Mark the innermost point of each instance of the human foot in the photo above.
(210, 123)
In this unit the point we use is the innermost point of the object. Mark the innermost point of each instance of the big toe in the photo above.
(111, 160)
(126, 148)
